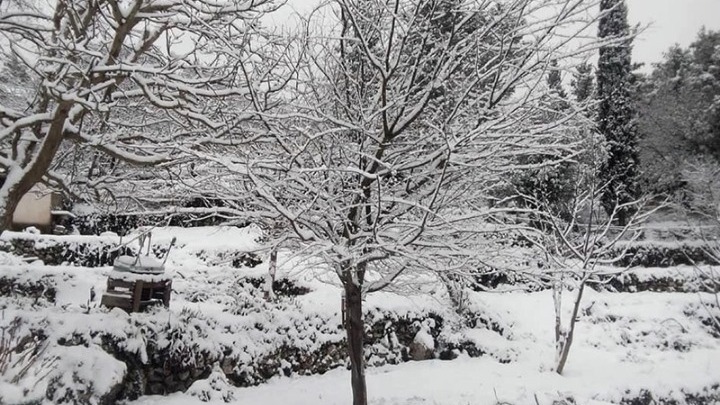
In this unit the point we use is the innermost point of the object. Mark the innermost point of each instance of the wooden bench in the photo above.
(135, 293)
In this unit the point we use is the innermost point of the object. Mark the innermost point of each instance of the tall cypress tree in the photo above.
(616, 112)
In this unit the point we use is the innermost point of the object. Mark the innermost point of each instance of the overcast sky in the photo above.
(668, 22)
(671, 21)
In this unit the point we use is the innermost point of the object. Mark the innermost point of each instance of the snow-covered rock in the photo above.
(215, 388)
(423, 344)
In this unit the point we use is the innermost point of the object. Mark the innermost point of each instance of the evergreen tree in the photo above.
(616, 111)
(582, 83)
(549, 185)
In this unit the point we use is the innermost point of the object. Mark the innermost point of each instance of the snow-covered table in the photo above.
(134, 292)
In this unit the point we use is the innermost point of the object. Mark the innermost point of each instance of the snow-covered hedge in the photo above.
(664, 279)
(665, 254)
(122, 224)
(99, 251)
(30, 288)
(74, 250)
(160, 353)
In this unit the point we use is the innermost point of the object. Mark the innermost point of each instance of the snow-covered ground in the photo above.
(484, 381)
(625, 343)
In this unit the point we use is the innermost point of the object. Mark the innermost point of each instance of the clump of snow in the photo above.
(32, 230)
(423, 336)
(8, 259)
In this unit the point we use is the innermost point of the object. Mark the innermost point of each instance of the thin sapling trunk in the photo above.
(565, 338)
(270, 276)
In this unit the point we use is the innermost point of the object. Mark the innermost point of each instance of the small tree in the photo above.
(577, 253)
(401, 125)
(702, 207)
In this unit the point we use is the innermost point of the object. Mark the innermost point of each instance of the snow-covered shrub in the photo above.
(22, 366)
(423, 344)
(235, 259)
(26, 287)
(215, 388)
(390, 337)
(707, 312)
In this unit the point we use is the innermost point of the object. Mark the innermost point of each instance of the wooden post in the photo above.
(137, 295)
(166, 294)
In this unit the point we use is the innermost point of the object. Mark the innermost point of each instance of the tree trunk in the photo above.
(11, 192)
(11, 197)
(559, 337)
(355, 330)
(34, 168)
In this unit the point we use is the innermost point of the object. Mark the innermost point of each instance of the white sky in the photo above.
(667, 22)
(671, 21)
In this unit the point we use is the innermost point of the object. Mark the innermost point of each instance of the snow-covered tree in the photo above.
(404, 119)
(579, 249)
(123, 81)
(703, 201)
(679, 105)
(616, 110)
